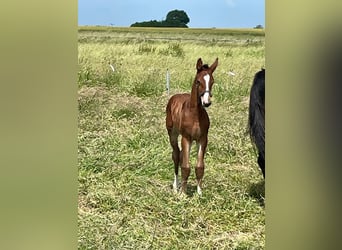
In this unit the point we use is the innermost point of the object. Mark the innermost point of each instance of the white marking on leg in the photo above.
(175, 184)
(200, 153)
(199, 190)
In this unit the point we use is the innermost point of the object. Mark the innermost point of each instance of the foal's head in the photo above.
(204, 80)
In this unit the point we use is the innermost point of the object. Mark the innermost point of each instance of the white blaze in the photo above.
(205, 97)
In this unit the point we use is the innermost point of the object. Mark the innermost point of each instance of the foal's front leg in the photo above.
(186, 145)
(200, 163)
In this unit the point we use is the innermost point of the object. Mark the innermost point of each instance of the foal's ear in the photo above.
(213, 66)
(199, 64)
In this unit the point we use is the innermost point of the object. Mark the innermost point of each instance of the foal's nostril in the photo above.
(207, 104)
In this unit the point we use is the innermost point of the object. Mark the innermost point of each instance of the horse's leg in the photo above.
(186, 145)
(200, 163)
(261, 162)
(173, 136)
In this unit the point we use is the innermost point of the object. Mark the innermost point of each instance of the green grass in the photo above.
(125, 165)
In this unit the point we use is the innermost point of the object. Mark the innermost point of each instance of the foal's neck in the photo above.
(194, 98)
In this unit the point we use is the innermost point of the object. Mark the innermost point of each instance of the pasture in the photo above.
(124, 156)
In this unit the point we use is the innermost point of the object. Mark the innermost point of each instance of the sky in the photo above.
(202, 13)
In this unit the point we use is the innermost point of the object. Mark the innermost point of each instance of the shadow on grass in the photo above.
(257, 191)
(191, 190)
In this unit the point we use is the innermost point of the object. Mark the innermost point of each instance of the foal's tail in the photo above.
(256, 118)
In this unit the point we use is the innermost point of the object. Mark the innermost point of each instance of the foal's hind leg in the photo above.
(176, 156)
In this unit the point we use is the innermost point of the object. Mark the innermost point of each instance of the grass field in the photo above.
(125, 165)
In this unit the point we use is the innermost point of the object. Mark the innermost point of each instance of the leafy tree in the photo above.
(177, 17)
(259, 26)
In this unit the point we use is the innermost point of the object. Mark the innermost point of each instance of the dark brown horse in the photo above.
(186, 116)
(256, 117)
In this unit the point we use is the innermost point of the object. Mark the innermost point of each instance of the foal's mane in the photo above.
(204, 67)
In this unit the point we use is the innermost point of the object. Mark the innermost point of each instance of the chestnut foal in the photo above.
(186, 115)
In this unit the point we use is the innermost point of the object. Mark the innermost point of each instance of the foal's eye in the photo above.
(198, 82)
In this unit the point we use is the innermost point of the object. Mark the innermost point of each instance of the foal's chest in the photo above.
(195, 124)
(198, 129)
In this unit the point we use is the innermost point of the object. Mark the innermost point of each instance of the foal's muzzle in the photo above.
(206, 105)
(205, 98)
